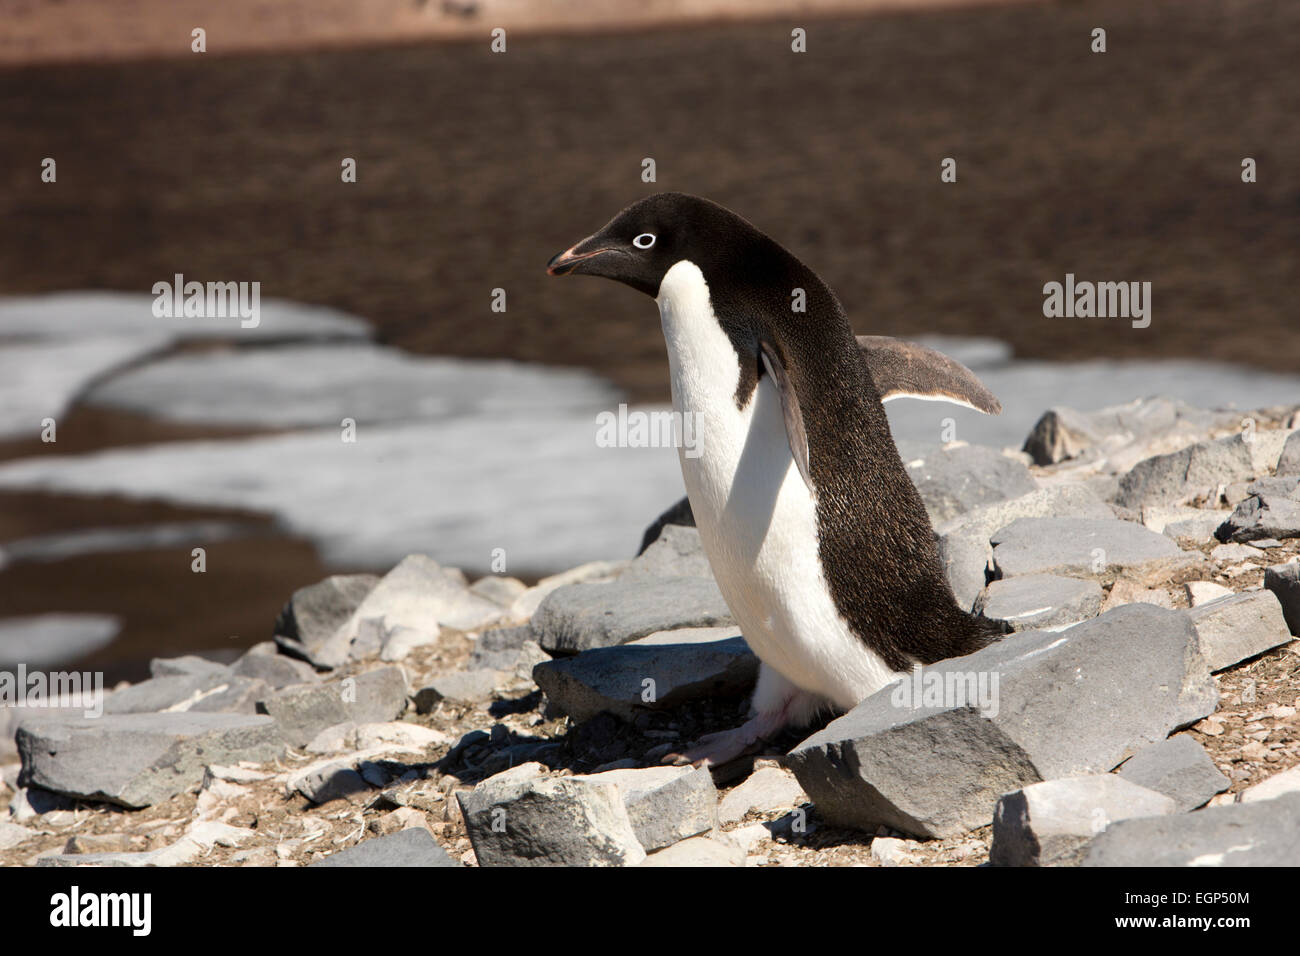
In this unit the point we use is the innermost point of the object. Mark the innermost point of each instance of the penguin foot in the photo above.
(713, 750)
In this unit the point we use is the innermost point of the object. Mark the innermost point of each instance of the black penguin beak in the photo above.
(580, 258)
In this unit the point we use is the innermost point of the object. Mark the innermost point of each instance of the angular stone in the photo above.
(964, 541)
(419, 593)
(1264, 833)
(457, 687)
(276, 670)
(583, 616)
(315, 612)
(400, 641)
(304, 711)
(521, 818)
(1065, 703)
(765, 790)
(678, 514)
(1232, 629)
(1179, 768)
(1051, 823)
(191, 665)
(1203, 592)
(499, 589)
(1288, 462)
(1167, 479)
(413, 846)
(665, 804)
(213, 692)
(1283, 580)
(1272, 510)
(525, 606)
(1040, 601)
(676, 553)
(956, 478)
(615, 679)
(1288, 781)
(136, 760)
(1081, 547)
(697, 852)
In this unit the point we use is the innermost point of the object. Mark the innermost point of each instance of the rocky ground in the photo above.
(1144, 561)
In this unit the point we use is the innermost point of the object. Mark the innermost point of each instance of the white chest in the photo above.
(757, 518)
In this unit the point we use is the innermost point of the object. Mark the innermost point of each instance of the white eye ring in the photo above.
(649, 241)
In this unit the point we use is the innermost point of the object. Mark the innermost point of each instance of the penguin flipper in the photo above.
(906, 370)
(794, 430)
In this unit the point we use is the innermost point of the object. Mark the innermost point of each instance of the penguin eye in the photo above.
(644, 241)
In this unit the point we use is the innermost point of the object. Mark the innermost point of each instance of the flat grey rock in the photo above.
(1283, 580)
(136, 760)
(190, 665)
(679, 513)
(1052, 823)
(954, 479)
(316, 611)
(1164, 479)
(213, 692)
(414, 846)
(1232, 629)
(624, 680)
(580, 617)
(302, 712)
(522, 818)
(964, 541)
(665, 804)
(1064, 433)
(1040, 601)
(1265, 833)
(1179, 768)
(1066, 703)
(275, 670)
(1083, 547)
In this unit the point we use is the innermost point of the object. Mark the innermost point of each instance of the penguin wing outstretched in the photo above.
(906, 370)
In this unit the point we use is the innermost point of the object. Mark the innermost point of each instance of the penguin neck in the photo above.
(703, 363)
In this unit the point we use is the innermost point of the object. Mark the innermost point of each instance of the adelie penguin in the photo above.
(817, 537)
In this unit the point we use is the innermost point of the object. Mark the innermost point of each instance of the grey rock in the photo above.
(1040, 601)
(1272, 510)
(414, 846)
(315, 612)
(1283, 580)
(1052, 823)
(765, 790)
(11, 835)
(1264, 833)
(521, 818)
(1232, 629)
(964, 541)
(1165, 479)
(676, 553)
(678, 514)
(302, 712)
(956, 478)
(1198, 528)
(1289, 461)
(579, 617)
(1063, 433)
(136, 760)
(665, 804)
(701, 851)
(499, 589)
(1066, 703)
(1080, 547)
(276, 670)
(1288, 781)
(213, 692)
(504, 648)
(191, 665)
(419, 593)
(1203, 592)
(615, 679)
(1179, 768)
(457, 687)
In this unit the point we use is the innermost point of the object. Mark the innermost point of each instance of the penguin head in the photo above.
(639, 245)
